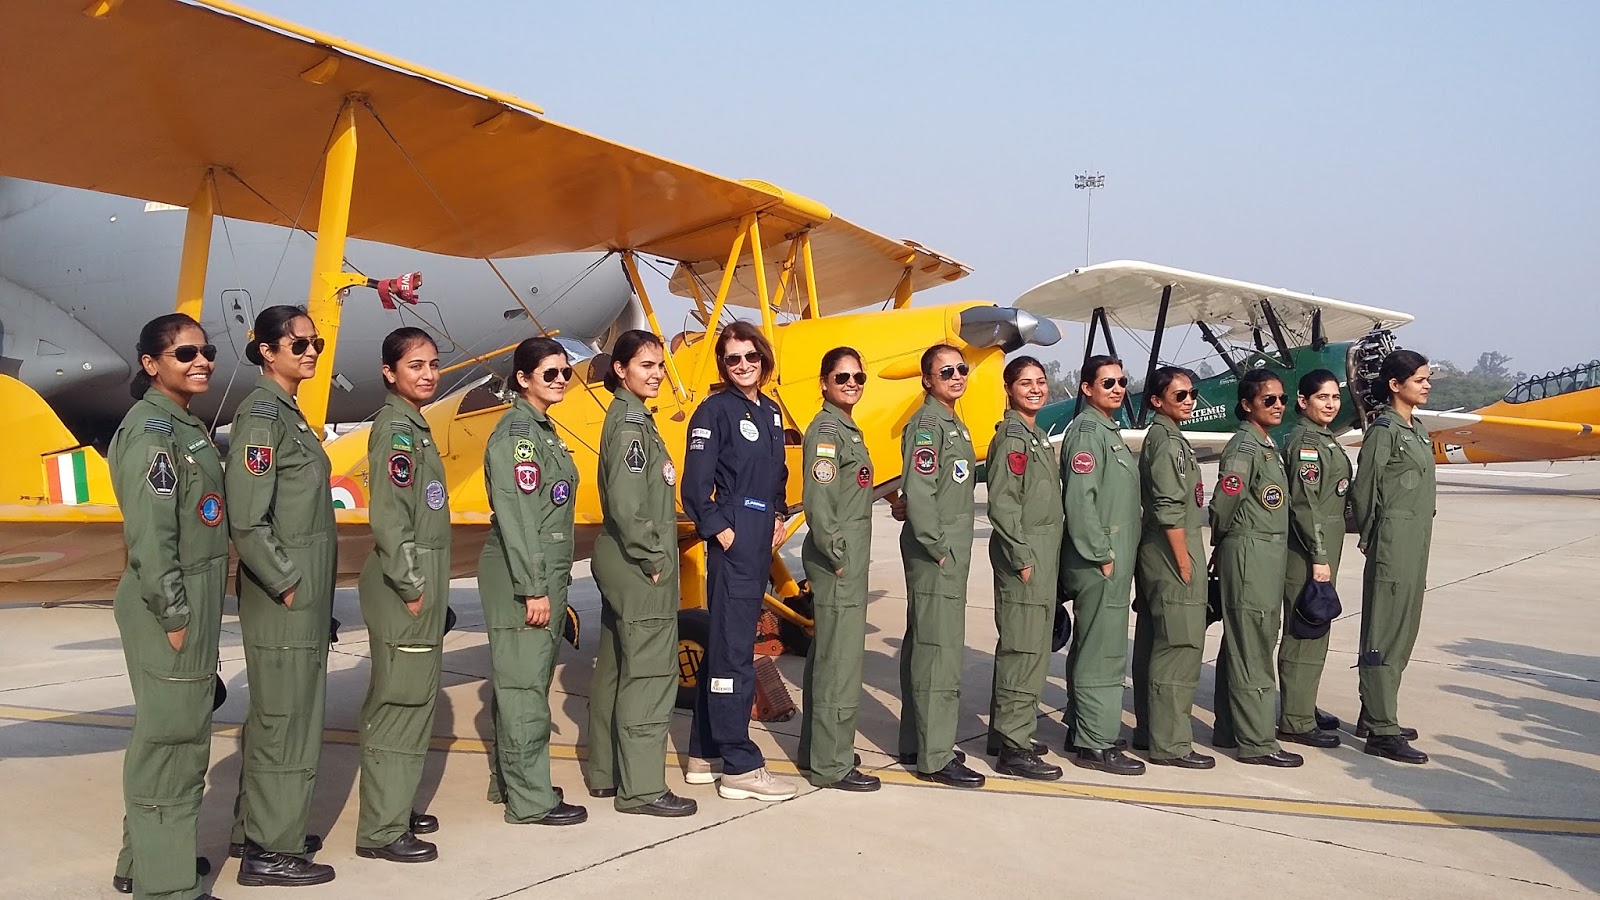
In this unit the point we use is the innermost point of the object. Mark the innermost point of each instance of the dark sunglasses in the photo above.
(949, 372)
(1271, 400)
(187, 352)
(1181, 396)
(1107, 384)
(549, 375)
(749, 356)
(299, 346)
(847, 377)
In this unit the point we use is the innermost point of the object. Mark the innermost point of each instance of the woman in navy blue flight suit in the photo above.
(733, 491)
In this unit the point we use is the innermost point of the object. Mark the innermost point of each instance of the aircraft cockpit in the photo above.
(1553, 384)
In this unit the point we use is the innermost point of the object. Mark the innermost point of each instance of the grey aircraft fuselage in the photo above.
(81, 272)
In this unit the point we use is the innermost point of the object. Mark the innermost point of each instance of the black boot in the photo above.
(407, 848)
(857, 782)
(313, 844)
(422, 823)
(563, 814)
(1112, 761)
(804, 765)
(1327, 721)
(261, 868)
(1283, 759)
(910, 759)
(1315, 738)
(954, 774)
(1036, 746)
(1026, 764)
(1395, 747)
(1409, 734)
(1190, 760)
(667, 806)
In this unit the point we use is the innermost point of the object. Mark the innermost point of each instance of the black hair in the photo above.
(744, 331)
(1397, 366)
(1164, 378)
(1314, 379)
(832, 357)
(1250, 388)
(931, 354)
(1093, 365)
(154, 338)
(623, 352)
(528, 354)
(1013, 369)
(272, 326)
(399, 342)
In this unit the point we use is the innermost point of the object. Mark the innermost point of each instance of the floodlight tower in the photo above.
(1089, 182)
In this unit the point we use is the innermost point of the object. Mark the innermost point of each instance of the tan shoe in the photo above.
(756, 784)
(702, 771)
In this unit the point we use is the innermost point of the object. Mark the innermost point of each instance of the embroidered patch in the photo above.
(961, 471)
(197, 443)
(159, 426)
(749, 429)
(400, 470)
(161, 477)
(699, 432)
(827, 450)
(697, 444)
(401, 440)
(527, 476)
(925, 461)
(258, 459)
(924, 439)
(1272, 496)
(864, 477)
(722, 685)
(523, 450)
(669, 473)
(559, 492)
(823, 471)
(210, 509)
(1199, 494)
(1342, 487)
(1083, 462)
(1310, 473)
(521, 429)
(266, 409)
(1017, 462)
(1231, 484)
(635, 457)
(435, 494)
(777, 420)
(1309, 454)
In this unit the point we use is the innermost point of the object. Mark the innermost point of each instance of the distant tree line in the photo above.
(1475, 388)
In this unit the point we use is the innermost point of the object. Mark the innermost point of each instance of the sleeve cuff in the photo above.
(410, 593)
(171, 624)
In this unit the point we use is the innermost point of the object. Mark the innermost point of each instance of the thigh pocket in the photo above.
(413, 675)
(649, 647)
(281, 677)
(514, 654)
(174, 709)
(1181, 624)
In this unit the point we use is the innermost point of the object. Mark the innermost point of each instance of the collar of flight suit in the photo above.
(939, 409)
(629, 398)
(170, 407)
(520, 403)
(1013, 415)
(841, 415)
(1101, 419)
(267, 383)
(1166, 423)
(1258, 434)
(411, 412)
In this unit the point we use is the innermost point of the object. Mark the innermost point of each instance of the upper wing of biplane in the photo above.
(145, 99)
(1132, 293)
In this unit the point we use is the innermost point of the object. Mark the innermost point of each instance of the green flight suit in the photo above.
(1169, 637)
(1319, 473)
(1026, 521)
(410, 514)
(168, 482)
(281, 517)
(1250, 528)
(938, 463)
(837, 497)
(1100, 490)
(636, 568)
(1394, 503)
(532, 483)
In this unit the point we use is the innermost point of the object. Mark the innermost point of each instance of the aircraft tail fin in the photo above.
(42, 462)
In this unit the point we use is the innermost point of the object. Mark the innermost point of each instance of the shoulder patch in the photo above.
(1381, 422)
(400, 469)
(258, 459)
(161, 476)
(400, 425)
(1083, 462)
(520, 429)
(266, 409)
(400, 440)
(828, 426)
(824, 471)
(928, 420)
(1017, 429)
(159, 426)
(522, 450)
(1247, 446)
(635, 416)
(635, 457)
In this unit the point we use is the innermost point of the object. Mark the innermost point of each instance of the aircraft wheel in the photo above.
(694, 632)
(797, 640)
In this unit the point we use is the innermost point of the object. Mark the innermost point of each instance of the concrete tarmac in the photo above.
(1504, 687)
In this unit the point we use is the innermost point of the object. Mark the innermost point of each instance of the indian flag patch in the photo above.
(68, 474)
(1308, 454)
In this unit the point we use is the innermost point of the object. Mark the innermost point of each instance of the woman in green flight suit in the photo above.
(1319, 481)
(1100, 490)
(168, 482)
(636, 568)
(404, 589)
(1169, 638)
(1394, 504)
(1025, 553)
(937, 462)
(1250, 529)
(837, 497)
(281, 517)
(523, 576)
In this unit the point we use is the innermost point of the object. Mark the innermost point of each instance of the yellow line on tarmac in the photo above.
(1351, 812)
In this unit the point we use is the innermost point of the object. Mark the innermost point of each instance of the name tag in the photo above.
(753, 503)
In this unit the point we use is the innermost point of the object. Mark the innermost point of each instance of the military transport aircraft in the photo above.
(1552, 416)
(1245, 325)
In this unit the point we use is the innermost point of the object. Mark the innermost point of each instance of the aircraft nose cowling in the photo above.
(1008, 329)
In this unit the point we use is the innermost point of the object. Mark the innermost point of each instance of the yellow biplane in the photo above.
(1551, 416)
(214, 107)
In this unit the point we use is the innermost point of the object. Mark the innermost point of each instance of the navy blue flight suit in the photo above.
(733, 477)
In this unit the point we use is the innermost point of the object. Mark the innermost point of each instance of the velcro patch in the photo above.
(923, 439)
(1083, 462)
(527, 476)
(1017, 462)
(400, 469)
(266, 409)
(699, 432)
(258, 459)
(635, 456)
(1342, 487)
(669, 473)
(1309, 454)
(521, 429)
(925, 461)
(522, 451)
(1272, 496)
(159, 426)
(1231, 484)
(161, 476)
(1310, 473)
(1200, 494)
(634, 416)
(210, 509)
(864, 477)
(827, 450)
(824, 471)
(401, 440)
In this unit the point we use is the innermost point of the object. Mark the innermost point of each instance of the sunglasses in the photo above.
(1107, 384)
(948, 372)
(549, 375)
(842, 378)
(187, 352)
(1271, 400)
(749, 356)
(1182, 396)
(299, 346)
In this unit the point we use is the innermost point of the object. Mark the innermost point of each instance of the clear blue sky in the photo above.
(1438, 158)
